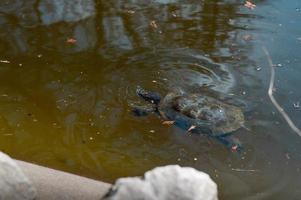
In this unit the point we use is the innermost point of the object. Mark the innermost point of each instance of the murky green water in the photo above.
(69, 70)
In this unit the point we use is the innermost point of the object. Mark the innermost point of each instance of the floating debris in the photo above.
(130, 12)
(195, 159)
(277, 65)
(174, 14)
(234, 147)
(258, 68)
(287, 156)
(71, 41)
(191, 128)
(152, 131)
(296, 104)
(168, 122)
(5, 61)
(244, 170)
(153, 24)
(250, 5)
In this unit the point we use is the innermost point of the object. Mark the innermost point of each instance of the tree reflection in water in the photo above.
(66, 104)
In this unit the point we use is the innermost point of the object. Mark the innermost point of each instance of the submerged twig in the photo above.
(244, 170)
(273, 100)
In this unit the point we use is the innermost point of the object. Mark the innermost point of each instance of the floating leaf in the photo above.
(234, 147)
(71, 40)
(250, 5)
(168, 122)
(153, 24)
(191, 128)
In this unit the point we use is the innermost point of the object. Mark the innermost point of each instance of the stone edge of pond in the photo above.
(27, 181)
(21, 180)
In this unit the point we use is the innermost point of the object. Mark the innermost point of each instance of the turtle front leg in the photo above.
(143, 110)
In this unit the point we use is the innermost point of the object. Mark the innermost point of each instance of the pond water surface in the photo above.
(69, 70)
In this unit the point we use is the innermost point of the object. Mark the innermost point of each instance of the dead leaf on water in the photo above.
(168, 122)
(131, 12)
(191, 128)
(153, 24)
(250, 5)
(71, 41)
(234, 147)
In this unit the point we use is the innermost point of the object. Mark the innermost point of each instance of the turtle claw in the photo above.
(231, 143)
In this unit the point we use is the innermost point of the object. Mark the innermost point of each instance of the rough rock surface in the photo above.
(168, 183)
(14, 185)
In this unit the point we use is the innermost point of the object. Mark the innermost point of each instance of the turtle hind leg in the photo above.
(230, 142)
(152, 97)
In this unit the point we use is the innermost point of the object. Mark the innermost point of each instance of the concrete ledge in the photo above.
(53, 184)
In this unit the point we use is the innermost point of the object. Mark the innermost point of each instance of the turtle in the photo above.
(204, 111)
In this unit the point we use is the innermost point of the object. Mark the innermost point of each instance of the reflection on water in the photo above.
(66, 104)
(65, 11)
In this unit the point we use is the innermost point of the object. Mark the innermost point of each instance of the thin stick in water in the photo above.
(273, 100)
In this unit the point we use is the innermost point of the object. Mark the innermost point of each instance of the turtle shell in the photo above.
(203, 112)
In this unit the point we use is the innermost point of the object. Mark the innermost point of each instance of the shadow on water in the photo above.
(69, 70)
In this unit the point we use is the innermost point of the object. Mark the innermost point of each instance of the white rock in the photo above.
(14, 185)
(166, 183)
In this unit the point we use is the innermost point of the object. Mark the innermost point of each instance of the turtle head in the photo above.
(152, 97)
